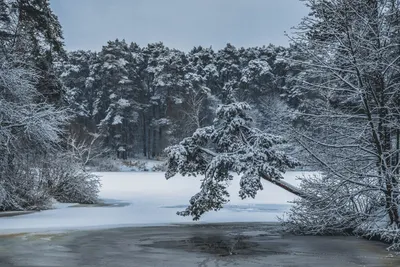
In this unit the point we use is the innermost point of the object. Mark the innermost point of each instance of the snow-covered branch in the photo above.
(231, 145)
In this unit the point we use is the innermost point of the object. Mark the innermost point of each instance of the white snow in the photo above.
(151, 200)
(122, 62)
(107, 65)
(123, 103)
(117, 120)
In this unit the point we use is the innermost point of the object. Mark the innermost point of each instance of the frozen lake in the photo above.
(144, 198)
(242, 234)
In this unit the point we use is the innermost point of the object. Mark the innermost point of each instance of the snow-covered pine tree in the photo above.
(115, 80)
(31, 31)
(200, 99)
(228, 63)
(229, 146)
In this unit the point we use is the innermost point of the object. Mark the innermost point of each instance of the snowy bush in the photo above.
(331, 206)
(71, 183)
(160, 167)
(28, 196)
(69, 180)
(326, 208)
(39, 180)
(105, 165)
(23, 188)
(135, 165)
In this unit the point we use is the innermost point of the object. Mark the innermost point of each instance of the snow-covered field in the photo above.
(149, 199)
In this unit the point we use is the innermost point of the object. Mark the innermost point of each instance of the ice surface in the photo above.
(152, 200)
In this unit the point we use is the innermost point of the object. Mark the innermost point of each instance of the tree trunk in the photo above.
(149, 137)
(154, 143)
(286, 186)
(144, 137)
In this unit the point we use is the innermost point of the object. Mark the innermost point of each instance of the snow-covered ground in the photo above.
(144, 198)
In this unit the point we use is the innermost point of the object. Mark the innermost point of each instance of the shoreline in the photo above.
(4, 214)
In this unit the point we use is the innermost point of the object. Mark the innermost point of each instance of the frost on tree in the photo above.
(230, 146)
(347, 48)
(28, 130)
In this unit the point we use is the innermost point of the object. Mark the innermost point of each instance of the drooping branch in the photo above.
(231, 145)
(279, 182)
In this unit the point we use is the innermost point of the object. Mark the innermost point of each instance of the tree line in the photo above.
(140, 100)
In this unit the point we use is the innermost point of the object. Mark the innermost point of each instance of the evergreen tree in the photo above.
(31, 32)
(230, 145)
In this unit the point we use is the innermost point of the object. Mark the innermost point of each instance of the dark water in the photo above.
(191, 245)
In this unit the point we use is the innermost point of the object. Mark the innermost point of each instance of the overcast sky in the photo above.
(181, 24)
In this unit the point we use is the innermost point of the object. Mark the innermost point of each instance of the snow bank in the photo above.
(152, 200)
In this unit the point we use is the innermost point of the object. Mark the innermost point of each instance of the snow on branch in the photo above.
(229, 146)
